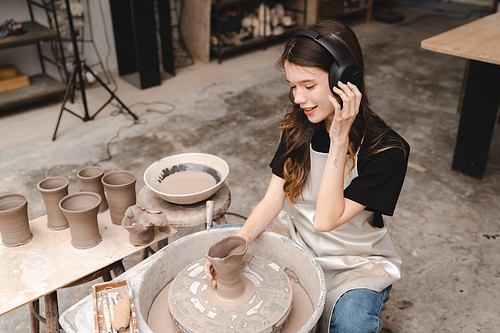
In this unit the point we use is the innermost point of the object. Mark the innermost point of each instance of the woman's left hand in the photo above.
(344, 116)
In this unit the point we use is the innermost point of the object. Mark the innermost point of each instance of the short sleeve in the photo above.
(380, 179)
(277, 163)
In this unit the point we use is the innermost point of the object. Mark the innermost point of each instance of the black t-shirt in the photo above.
(380, 176)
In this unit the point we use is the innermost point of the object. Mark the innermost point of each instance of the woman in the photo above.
(339, 167)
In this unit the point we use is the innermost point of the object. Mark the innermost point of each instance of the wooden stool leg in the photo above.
(220, 220)
(162, 243)
(106, 277)
(144, 253)
(119, 269)
(35, 323)
(52, 312)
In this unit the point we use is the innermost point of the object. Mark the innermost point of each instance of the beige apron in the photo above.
(355, 255)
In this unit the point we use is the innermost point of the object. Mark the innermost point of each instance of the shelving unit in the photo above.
(336, 9)
(219, 51)
(41, 85)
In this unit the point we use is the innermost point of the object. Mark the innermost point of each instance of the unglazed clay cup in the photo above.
(119, 187)
(226, 256)
(14, 222)
(81, 211)
(53, 189)
(90, 178)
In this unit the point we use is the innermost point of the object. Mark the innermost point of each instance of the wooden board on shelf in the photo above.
(42, 86)
(13, 83)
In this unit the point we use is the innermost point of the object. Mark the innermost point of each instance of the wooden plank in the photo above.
(13, 83)
(42, 87)
(478, 40)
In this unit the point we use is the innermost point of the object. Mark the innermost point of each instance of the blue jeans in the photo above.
(359, 311)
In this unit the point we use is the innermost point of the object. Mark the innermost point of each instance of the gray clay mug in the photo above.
(53, 189)
(14, 222)
(119, 187)
(81, 211)
(91, 180)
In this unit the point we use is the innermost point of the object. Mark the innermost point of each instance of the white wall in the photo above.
(26, 57)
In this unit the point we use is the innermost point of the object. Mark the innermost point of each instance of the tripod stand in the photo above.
(76, 73)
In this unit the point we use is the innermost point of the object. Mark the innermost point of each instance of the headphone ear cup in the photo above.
(333, 77)
(349, 71)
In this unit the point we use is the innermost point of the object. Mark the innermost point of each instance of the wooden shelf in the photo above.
(335, 9)
(41, 87)
(348, 11)
(254, 42)
(35, 33)
(223, 3)
(219, 51)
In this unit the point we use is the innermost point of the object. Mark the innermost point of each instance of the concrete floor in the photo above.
(446, 225)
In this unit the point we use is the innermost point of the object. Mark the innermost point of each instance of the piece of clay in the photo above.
(140, 223)
(121, 318)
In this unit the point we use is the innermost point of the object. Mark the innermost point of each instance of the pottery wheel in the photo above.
(195, 306)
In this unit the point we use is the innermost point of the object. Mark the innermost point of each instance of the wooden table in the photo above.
(479, 42)
(49, 262)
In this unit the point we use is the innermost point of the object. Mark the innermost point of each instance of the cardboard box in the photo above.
(16, 82)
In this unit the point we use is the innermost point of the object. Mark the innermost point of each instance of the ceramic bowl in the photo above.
(160, 170)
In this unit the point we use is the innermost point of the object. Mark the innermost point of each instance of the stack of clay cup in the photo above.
(78, 211)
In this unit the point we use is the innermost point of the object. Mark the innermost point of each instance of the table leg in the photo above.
(52, 312)
(35, 323)
(480, 103)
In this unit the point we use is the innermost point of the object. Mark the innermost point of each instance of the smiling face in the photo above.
(310, 90)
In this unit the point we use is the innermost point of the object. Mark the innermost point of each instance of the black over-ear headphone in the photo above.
(343, 69)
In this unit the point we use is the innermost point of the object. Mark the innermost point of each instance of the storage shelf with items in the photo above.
(41, 85)
(243, 24)
(340, 8)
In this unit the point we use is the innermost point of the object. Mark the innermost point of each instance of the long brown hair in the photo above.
(298, 131)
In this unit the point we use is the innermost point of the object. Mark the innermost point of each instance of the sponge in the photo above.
(121, 318)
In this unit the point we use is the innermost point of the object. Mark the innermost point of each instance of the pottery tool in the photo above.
(209, 213)
(109, 293)
(107, 316)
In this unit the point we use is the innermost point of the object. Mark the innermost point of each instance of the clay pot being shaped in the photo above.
(14, 223)
(53, 189)
(90, 178)
(226, 256)
(81, 211)
(140, 223)
(120, 193)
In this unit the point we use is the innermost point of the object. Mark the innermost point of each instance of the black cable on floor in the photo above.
(236, 214)
(120, 110)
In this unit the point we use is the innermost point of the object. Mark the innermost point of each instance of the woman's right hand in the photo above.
(344, 115)
(210, 273)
